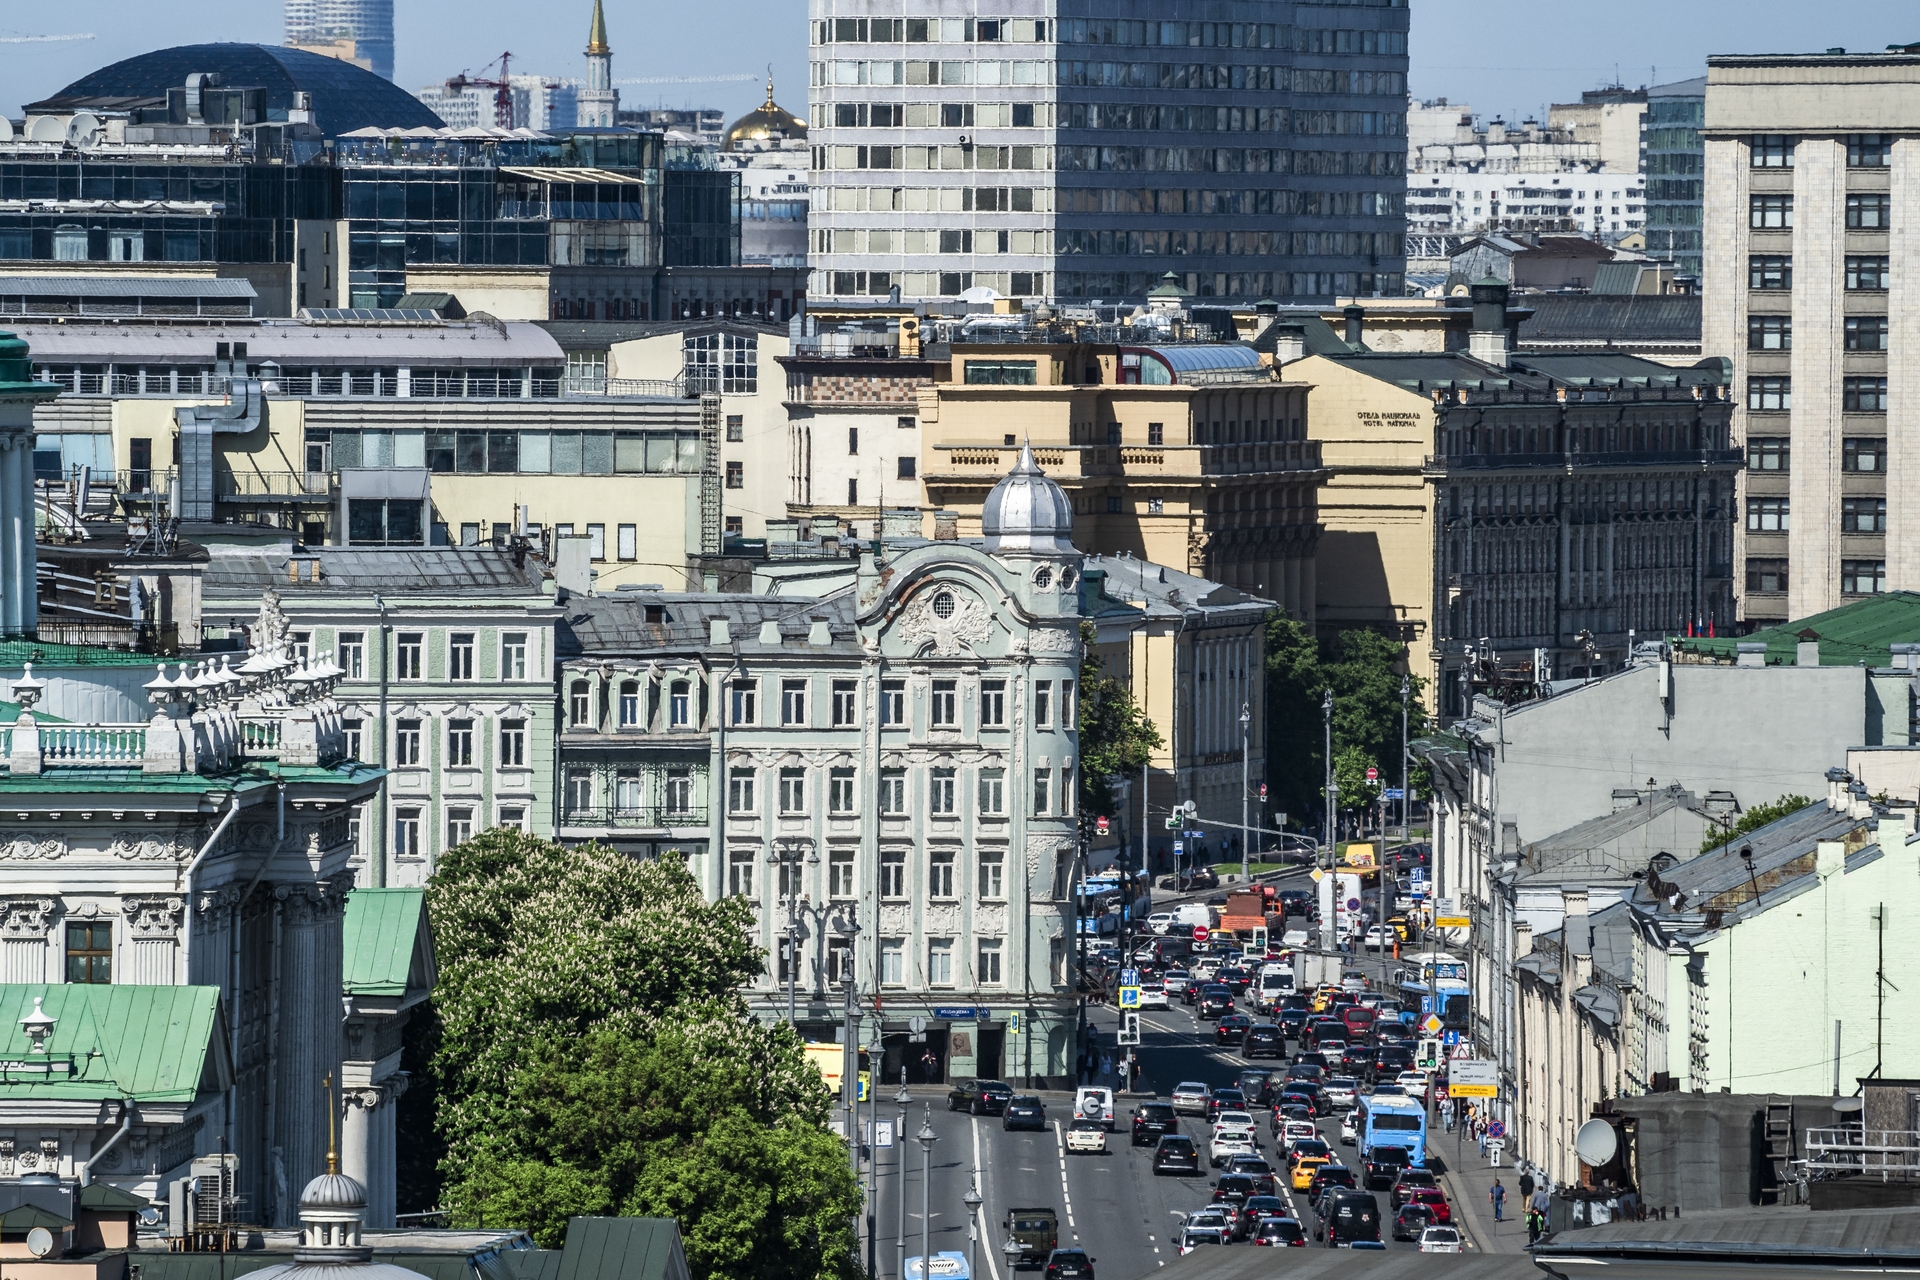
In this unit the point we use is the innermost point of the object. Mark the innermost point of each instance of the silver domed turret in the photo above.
(1026, 512)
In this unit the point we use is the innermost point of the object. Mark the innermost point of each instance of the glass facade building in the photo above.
(1672, 156)
(1084, 148)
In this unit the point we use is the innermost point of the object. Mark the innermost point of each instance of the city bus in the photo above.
(1392, 1120)
(1435, 982)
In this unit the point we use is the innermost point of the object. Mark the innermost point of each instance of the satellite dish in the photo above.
(84, 129)
(39, 1242)
(151, 1216)
(47, 129)
(1849, 1105)
(1596, 1143)
(6, 129)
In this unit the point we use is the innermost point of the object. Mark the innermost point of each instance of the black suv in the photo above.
(1069, 1264)
(1175, 1153)
(1215, 999)
(1151, 1120)
(1264, 1040)
(1385, 1165)
(980, 1097)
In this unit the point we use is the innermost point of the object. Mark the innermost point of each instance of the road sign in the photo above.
(1129, 977)
(1263, 792)
(1452, 922)
(1200, 933)
(1452, 1038)
(1430, 1025)
(1473, 1078)
(916, 1025)
(1353, 904)
(1318, 875)
(1129, 997)
(1495, 1145)
(1179, 848)
(1393, 793)
(1373, 774)
(1498, 1129)
(1100, 825)
(1013, 1024)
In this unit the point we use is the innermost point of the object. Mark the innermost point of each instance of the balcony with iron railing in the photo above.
(639, 817)
(1574, 463)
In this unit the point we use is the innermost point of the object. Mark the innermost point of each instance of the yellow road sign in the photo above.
(1452, 922)
(1474, 1090)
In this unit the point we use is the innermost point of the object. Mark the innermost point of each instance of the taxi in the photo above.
(1304, 1169)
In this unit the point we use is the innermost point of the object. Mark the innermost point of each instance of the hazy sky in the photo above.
(1501, 56)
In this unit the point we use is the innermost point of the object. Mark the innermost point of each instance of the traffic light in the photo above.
(1427, 1056)
(1129, 1029)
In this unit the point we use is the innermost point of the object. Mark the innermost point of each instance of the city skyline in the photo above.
(1448, 47)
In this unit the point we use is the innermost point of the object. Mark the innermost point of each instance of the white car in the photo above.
(1341, 1092)
(1295, 1130)
(1160, 922)
(1190, 1098)
(1089, 1136)
(1350, 1128)
(1092, 1102)
(1233, 1120)
(1415, 1083)
(1153, 995)
(1175, 981)
(1440, 1240)
(1205, 967)
(1379, 938)
(1228, 1143)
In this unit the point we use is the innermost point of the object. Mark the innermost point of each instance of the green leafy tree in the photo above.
(1754, 819)
(1116, 737)
(589, 1028)
(1350, 765)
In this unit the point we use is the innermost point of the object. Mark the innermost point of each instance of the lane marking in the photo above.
(986, 1216)
(1066, 1194)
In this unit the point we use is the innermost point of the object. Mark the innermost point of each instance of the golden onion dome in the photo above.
(770, 124)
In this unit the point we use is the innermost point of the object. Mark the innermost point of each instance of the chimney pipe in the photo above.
(1487, 342)
(1356, 326)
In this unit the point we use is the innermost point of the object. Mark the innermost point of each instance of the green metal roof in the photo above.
(152, 1044)
(104, 1197)
(533, 1264)
(623, 1249)
(246, 778)
(1861, 631)
(385, 933)
(15, 651)
(24, 1218)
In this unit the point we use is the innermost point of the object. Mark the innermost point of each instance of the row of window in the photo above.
(410, 827)
(1857, 395)
(943, 703)
(941, 874)
(1865, 212)
(1857, 577)
(1857, 515)
(1861, 454)
(630, 704)
(1866, 273)
(1052, 794)
(409, 738)
(518, 452)
(1859, 333)
(1864, 150)
(410, 649)
(628, 791)
(1109, 31)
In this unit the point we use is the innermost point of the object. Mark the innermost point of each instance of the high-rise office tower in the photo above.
(1082, 149)
(599, 101)
(1671, 153)
(356, 31)
(1811, 263)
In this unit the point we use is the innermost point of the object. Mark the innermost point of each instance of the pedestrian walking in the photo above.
(1499, 1197)
(1533, 1227)
(1542, 1202)
(1526, 1188)
(1480, 1135)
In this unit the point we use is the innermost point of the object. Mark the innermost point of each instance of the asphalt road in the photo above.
(1111, 1205)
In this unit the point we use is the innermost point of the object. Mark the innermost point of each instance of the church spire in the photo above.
(597, 38)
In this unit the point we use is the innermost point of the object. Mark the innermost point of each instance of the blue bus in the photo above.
(1435, 982)
(948, 1264)
(1392, 1120)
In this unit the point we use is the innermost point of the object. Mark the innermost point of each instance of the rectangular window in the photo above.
(1766, 515)
(1868, 273)
(736, 428)
(1771, 212)
(893, 792)
(740, 791)
(745, 707)
(893, 703)
(940, 873)
(460, 744)
(736, 475)
(459, 826)
(790, 880)
(940, 962)
(1042, 792)
(893, 966)
(1863, 395)
(1156, 433)
(406, 742)
(1869, 150)
(596, 542)
(680, 790)
(1770, 271)
(1869, 212)
(1001, 373)
(993, 704)
(630, 705)
(579, 791)
(1043, 704)
(793, 703)
(988, 971)
(513, 655)
(352, 729)
(1766, 577)
(1863, 454)
(353, 654)
(1066, 793)
(90, 951)
(993, 792)
(1066, 704)
(1769, 453)
(840, 873)
(853, 441)
(1057, 960)
(627, 541)
(908, 468)
(793, 791)
(946, 704)
(993, 865)
(406, 833)
(514, 816)
(1769, 333)
(893, 873)
(1863, 577)
(579, 705)
(1866, 333)
(844, 701)
(840, 791)
(1863, 515)
(1771, 151)
(460, 655)
(513, 744)
(1769, 394)
(740, 873)
(680, 704)
(940, 792)
(408, 647)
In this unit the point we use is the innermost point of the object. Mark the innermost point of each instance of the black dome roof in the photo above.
(345, 97)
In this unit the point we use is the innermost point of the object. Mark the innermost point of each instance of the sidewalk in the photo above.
(1468, 1181)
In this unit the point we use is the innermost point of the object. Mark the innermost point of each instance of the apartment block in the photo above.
(1084, 148)
(1810, 164)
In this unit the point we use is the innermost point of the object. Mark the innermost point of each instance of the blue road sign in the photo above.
(1129, 997)
(1179, 848)
(1452, 1038)
(1393, 793)
(1129, 977)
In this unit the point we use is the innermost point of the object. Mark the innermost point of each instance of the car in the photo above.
(1215, 1001)
(1176, 981)
(980, 1097)
(1378, 938)
(1311, 1067)
(1190, 994)
(1094, 1102)
(1228, 1143)
(1303, 1170)
(1315, 1100)
(1236, 1117)
(1192, 1238)
(1175, 1153)
(1350, 1129)
(1153, 995)
(1089, 1136)
(1160, 922)
(1286, 1110)
(1257, 1207)
(1297, 902)
(1384, 1165)
(1292, 1131)
(1256, 1168)
(1023, 1111)
(1036, 1232)
(1232, 1029)
(1350, 1219)
(1434, 1201)
(1152, 1120)
(1409, 1181)
(1190, 1098)
(1440, 1240)
(1357, 1059)
(1410, 1222)
(1282, 1233)
(1069, 1264)
(1341, 1091)
(1263, 1040)
(1253, 1082)
(1232, 1190)
(1415, 1083)
(1301, 1148)
(1228, 1099)
(1210, 1215)
(1205, 967)
(1329, 1177)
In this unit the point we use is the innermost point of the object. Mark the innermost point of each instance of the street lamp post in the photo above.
(790, 854)
(1406, 762)
(1246, 723)
(927, 1138)
(972, 1201)
(903, 1099)
(1327, 905)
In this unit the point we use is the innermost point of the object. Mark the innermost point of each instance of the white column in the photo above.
(150, 942)
(15, 587)
(24, 928)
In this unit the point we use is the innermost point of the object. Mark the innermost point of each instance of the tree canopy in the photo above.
(1754, 819)
(1116, 737)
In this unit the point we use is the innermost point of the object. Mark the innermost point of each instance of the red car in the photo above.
(1434, 1201)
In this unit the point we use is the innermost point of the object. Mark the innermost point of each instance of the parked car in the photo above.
(1152, 1121)
(1023, 1111)
(980, 1097)
(1190, 1098)
(1089, 1136)
(1175, 1153)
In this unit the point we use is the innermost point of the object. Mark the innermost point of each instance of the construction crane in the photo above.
(83, 35)
(502, 90)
